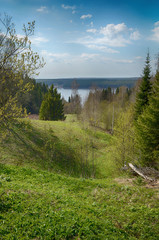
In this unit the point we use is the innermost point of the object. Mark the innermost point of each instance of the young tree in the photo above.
(142, 97)
(147, 127)
(75, 100)
(124, 136)
(16, 61)
(52, 106)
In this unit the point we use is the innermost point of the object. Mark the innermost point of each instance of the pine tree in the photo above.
(142, 97)
(148, 128)
(52, 106)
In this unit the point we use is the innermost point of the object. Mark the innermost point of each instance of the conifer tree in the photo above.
(148, 128)
(142, 97)
(52, 107)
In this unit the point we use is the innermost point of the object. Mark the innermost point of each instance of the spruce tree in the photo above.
(142, 97)
(148, 128)
(52, 107)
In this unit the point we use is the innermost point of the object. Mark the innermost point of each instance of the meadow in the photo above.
(58, 181)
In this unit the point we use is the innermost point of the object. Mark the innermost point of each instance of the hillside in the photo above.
(48, 145)
(45, 193)
(87, 83)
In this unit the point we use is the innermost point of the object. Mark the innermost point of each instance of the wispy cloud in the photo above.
(68, 7)
(91, 30)
(36, 40)
(135, 35)
(129, 61)
(138, 57)
(102, 48)
(155, 30)
(86, 16)
(89, 56)
(42, 9)
(156, 23)
(55, 57)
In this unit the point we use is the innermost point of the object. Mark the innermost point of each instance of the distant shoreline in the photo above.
(87, 83)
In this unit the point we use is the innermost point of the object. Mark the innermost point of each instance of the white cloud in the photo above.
(123, 61)
(138, 57)
(102, 48)
(112, 29)
(67, 7)
(36, 40)
(111, 35)
(86, 16)
(54, 55)
(42, 9)
(155, 35)
(91, 24)
(89, 56)
(118, 41)
(135, 35)
(156, 23)
(92, 30)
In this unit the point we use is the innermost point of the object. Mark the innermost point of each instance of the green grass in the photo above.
(48, 189)
(63, 147)
(37, 204)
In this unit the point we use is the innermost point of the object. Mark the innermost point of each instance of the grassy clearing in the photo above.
(37, 204)
(64, 147)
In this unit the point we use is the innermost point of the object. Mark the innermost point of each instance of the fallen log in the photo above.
(136, 170)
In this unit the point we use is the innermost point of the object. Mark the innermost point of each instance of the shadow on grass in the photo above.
(26, 145)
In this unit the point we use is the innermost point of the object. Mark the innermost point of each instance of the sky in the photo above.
(89, 38)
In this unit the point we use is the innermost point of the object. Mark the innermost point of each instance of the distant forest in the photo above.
(86, 83)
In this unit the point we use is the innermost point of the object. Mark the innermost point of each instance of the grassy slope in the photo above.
(63, 147)
(37, 204)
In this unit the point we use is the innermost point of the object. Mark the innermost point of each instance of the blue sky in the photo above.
(90, 38)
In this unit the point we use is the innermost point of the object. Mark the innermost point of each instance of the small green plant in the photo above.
(139, 181)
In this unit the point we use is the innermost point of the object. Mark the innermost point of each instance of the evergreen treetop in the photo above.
(148, 128)
(142, 97)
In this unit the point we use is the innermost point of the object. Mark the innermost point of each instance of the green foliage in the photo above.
(102, 108)
(147, 128)
(73, 106)
(32, 99)
(52, 106)
(91, 109)
(17, 60)
(142, 97)
(125, 140)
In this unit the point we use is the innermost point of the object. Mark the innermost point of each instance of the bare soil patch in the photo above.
(33, 116)
(131, 182)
